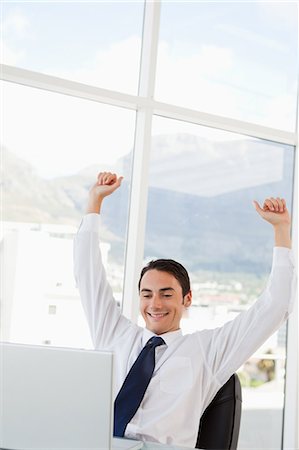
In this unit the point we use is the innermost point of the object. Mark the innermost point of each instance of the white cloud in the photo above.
(14, 26)
(215, 81)
(10, 56)
(213, 59)
(252, 37)
(190, 81)
(115, 68)
(284, 14)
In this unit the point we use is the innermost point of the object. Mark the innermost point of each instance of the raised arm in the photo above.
(106, 184)
(275, 212)
(228, 347)
(104, 317)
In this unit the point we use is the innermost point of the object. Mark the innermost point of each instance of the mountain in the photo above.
(200, 208)
(29, 198)
(199, 205)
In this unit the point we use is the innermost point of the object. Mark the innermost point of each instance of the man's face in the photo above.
(161, 301)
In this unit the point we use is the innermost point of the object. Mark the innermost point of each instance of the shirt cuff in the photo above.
(90, 222)
(283, 257)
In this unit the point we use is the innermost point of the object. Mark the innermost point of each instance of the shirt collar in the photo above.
(169, 337)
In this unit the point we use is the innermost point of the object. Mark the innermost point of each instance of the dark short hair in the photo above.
(173, 267)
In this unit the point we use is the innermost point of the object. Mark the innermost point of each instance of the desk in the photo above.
(154, 446)
(149, 445)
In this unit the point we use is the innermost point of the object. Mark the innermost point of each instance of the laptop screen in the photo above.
(55, 398)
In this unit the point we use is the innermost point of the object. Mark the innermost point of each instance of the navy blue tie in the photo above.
(133, 389)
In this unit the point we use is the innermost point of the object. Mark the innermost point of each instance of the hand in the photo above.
(274, 211)
(106, 184)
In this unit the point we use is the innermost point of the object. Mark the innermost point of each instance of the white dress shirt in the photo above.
(189, 369)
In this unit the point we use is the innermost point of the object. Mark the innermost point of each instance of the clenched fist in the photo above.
(106, 184)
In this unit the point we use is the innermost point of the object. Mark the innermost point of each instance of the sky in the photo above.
(235, 59)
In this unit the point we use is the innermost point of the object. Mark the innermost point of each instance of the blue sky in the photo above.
(69, 33)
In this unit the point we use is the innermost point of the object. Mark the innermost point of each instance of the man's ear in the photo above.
(187, 300)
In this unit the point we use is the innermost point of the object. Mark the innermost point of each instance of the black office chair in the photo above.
(220, 423)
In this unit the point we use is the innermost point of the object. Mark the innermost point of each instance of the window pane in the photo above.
(200, 213)
(235, 59)
(89, 42)
(53, 148)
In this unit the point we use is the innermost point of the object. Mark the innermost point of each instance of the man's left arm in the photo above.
(276, 213)
(228, 347)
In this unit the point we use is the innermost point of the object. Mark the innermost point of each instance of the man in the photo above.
(190, 369)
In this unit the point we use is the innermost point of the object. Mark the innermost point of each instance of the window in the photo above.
(201, 186)
(49, 164)
(235, 59)
(80, 41)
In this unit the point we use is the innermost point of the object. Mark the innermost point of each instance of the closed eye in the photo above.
(146, 295)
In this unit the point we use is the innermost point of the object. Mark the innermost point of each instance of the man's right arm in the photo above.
(106, 184)
(103, 315)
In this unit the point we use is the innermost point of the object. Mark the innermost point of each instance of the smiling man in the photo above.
(164, 290)
(159, 374)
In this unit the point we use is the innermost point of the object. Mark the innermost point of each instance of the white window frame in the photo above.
(146, 106)
(291, 408)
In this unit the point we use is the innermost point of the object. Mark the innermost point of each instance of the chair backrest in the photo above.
(220, 423)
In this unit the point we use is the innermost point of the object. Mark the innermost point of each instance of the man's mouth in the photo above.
(157, 316)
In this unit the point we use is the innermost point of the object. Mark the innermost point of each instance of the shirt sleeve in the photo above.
(104, 317)
(228, 347)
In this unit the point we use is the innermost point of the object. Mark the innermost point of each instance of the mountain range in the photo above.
(199, 202)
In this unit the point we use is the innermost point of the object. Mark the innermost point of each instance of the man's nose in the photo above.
(156, 301)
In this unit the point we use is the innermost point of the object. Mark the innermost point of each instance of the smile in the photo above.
(157, 315)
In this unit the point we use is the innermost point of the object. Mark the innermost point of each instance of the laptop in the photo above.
(56, 399)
